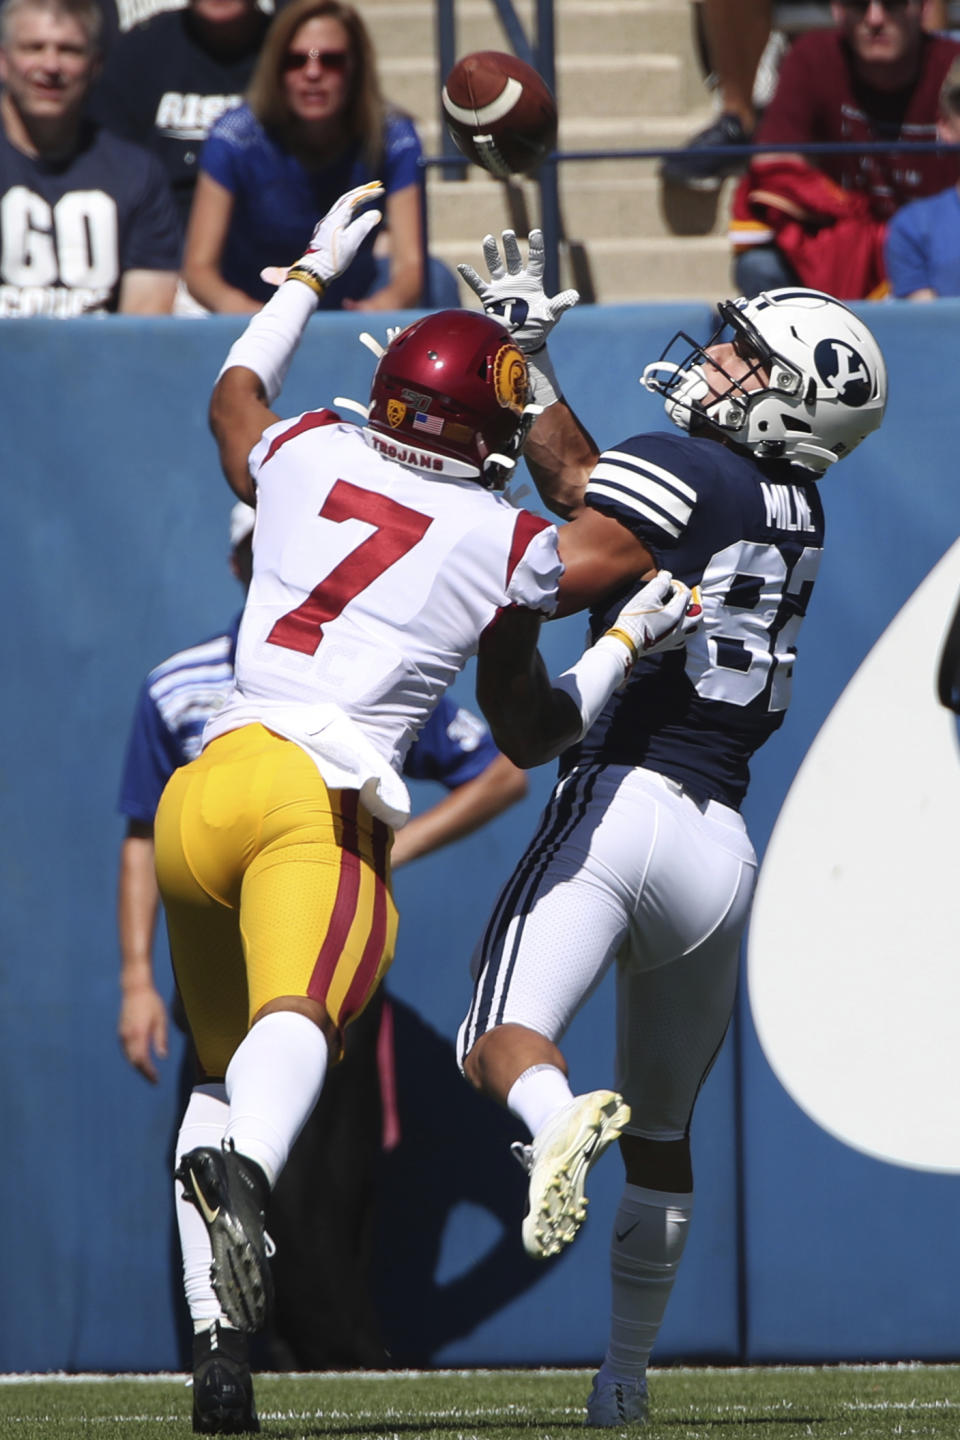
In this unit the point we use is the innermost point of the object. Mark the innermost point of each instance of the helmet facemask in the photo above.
(823, 380)
(690, 400)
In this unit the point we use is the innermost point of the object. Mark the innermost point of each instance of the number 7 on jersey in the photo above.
(397, 529)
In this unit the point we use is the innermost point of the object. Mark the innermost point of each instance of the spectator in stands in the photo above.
(87, 222)
(875, 76)
(119, 16)
(168, 79)
(314, 125)
(734, 35)
(741, 51)
(922, 248)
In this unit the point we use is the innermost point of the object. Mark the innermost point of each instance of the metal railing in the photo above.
(541, 54)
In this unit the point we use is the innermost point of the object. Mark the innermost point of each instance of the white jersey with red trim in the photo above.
(372, 584)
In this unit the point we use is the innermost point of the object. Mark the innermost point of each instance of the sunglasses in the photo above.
(335, 60)
(862, 6)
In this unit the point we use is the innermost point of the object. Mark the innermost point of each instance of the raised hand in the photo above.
(335, 241)
(514, 294)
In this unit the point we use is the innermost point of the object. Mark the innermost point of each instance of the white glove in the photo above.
(516, 295)
(659, 616)
(335, 241)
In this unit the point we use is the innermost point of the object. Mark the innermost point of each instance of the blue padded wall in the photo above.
(116, 521)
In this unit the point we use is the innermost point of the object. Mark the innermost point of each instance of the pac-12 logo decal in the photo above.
(396, 411)
(844, 370)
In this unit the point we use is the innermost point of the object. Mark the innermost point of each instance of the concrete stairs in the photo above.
(627, 78)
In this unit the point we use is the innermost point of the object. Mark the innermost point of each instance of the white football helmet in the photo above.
(824, 379)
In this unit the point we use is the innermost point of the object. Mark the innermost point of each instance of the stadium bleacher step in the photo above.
(627, 78)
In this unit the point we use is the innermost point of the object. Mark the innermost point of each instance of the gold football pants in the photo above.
(273, 885)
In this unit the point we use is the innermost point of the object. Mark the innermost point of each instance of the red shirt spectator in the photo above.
(826, 214)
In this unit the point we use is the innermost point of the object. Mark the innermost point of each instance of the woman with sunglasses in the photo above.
(314, 125)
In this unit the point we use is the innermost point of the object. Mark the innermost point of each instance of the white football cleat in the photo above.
(612, 1404)
(558, 1162)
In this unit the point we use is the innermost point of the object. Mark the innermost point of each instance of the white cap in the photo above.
(242, 517)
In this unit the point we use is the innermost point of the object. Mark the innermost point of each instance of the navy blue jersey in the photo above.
(750, 536)
(163, 87)
(69, 231)
(453, 747)
(176, 700)
(179, 696)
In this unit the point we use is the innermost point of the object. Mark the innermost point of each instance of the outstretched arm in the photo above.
(559, 452)
(530, 723)
(602, 559)
(256, 367)
(239, 414)
(600, 555)
(560, 455)
(534, 718)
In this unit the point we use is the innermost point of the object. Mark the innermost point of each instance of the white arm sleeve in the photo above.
(594, 678)
(270, 340)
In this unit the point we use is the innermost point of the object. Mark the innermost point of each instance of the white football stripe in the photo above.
(496, 110)
(632, 482)
(647, 467)
(212, 651)
(634, 503)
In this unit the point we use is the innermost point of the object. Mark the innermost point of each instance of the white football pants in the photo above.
(624, 866)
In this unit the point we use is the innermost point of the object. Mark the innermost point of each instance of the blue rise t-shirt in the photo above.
(278, 201)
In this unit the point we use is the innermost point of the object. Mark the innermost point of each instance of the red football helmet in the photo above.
(452, 389)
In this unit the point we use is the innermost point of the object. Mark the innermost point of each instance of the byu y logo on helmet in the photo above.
(844, 369)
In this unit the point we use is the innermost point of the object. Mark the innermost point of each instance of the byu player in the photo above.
(383, 559)
(641, 861)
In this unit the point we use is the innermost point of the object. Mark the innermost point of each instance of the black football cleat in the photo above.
(222, 1386)
(231, 1193)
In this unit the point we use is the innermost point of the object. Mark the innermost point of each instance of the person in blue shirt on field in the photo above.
(922, 246)
(314, 125)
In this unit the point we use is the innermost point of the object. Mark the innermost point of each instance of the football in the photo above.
(500, 112)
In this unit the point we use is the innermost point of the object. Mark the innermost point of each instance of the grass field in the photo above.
(864, 1402)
